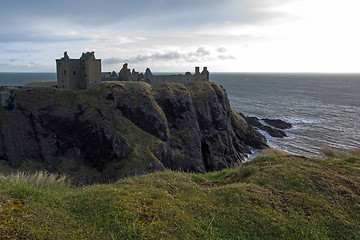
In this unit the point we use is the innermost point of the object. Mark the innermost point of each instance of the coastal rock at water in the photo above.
(99, 135)
(274, 132)
(278, 123)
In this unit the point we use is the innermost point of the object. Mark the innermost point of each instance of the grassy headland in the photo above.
(275, 196)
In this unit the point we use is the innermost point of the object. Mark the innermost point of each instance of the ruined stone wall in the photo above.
(183, 79)
(126, 75)
(92, 73)
(74, 74)
(68, 74)
(86, 73)
(78, 73)
(61, 70)
(161, 79)
(109, 76)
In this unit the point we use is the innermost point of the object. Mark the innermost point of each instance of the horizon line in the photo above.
(260, 72)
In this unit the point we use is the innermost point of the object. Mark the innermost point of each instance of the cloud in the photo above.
(163, 56)
(226, 57)
(22, 67)
(221, 49)
(38, 36)
(202, 51)
(200, 55)
(134, 15)
(113, 60)
(43, 29)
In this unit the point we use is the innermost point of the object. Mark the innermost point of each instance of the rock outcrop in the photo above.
(130, 128)
(278, 123)
(274, 128)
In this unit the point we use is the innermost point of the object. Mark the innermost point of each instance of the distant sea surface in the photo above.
(20, 79)
(324, 109)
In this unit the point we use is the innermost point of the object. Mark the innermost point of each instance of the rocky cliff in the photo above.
(124, 129)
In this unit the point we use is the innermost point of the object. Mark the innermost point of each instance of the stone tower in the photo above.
(80, 73)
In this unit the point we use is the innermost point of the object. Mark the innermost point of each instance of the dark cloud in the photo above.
(136, 14)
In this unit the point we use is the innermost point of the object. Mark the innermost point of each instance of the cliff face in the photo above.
(124, 129)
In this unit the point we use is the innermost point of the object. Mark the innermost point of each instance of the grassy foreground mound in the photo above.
(275, 196)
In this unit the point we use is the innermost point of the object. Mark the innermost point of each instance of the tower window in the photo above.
(74, 73)
(65, 72)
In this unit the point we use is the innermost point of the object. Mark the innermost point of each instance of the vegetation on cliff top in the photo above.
(275, 196)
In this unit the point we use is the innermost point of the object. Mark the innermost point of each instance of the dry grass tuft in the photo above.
(41, 178)
(328, 152)
(273, 152)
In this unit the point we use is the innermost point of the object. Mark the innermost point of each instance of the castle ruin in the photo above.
(184, 79)
(78, 73)
(86, 73)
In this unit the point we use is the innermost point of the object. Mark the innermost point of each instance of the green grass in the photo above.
(141, 144)
(275, 196)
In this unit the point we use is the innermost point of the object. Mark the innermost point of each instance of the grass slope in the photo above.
(275, 196)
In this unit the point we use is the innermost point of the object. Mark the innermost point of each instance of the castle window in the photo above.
(65, 72)
(59, 64)
(74, 73)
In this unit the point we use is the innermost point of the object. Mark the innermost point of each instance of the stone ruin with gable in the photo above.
(86, 73)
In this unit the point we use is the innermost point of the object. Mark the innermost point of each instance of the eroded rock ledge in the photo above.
(274, 128)
(124, 129)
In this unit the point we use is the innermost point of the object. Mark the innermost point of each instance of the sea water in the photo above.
(20, 79)
(324, 109)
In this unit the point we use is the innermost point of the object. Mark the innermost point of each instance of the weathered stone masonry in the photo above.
(86, 73)
(78, 73)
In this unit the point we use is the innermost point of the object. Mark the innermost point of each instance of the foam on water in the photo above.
(301, 120)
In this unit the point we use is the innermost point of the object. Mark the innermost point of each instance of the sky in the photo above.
(176, 36)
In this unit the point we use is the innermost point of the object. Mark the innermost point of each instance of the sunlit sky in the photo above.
(176, 36)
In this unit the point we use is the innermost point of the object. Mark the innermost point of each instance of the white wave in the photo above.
(301, 120)
(254, 153)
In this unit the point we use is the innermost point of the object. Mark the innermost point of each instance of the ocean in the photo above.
(20, 79)
(324, 109)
